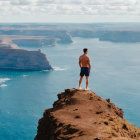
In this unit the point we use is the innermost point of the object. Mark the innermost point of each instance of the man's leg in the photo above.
(86, 82)
(80, 81)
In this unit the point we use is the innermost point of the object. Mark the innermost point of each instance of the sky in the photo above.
(73, 11)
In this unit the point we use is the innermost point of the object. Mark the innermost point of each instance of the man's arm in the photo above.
(80, 62)
(89, 64)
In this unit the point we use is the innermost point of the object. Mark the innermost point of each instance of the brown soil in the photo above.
(82, 115)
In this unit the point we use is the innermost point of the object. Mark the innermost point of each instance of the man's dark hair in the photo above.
(85, 50)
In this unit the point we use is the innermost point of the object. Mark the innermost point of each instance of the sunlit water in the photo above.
(25, 95)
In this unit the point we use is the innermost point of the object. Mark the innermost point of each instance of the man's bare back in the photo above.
(84, 61)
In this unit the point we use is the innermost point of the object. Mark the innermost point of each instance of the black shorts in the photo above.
(84, 71)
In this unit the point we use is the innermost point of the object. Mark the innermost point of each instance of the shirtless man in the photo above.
(84, 63)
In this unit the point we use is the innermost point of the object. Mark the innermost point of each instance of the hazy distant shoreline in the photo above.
(48, 34)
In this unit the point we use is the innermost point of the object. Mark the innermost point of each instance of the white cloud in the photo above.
(77, 7)
(70, 7)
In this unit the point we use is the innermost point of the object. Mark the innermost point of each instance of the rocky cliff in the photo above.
(19, 59)
(52, 35)
(83, 115)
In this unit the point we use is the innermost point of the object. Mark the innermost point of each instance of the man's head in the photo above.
(85, 50)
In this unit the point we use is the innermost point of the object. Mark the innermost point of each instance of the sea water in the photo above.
(115, 74)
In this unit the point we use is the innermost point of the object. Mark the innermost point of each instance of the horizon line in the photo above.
(71, 22)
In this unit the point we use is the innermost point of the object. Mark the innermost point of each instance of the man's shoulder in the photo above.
(80, 56)
(88, 57)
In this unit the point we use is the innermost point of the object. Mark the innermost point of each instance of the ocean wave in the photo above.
(3, 85)
(59, 69)
(45, 70)
(24, 75)
(2, 80)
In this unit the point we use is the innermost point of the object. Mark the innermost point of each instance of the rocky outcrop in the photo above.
(19, 59)
(83, 115)
(51, 36)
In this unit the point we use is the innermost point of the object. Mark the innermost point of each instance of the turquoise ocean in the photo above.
(115, 74)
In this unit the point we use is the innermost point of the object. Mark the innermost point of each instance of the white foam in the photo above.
(45, 70)
(59, 69)
(24, 75)
(3, 85)
(2, 80)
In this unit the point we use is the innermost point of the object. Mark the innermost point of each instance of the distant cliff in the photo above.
(120, 36)
(52, 35)
(83, 115)
(35, 42)
(108, 35)
(19, 59)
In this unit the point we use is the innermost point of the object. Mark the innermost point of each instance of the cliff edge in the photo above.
(19, 59)
(83, 115)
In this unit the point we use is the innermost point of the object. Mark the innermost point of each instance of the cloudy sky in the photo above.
(69, 10)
